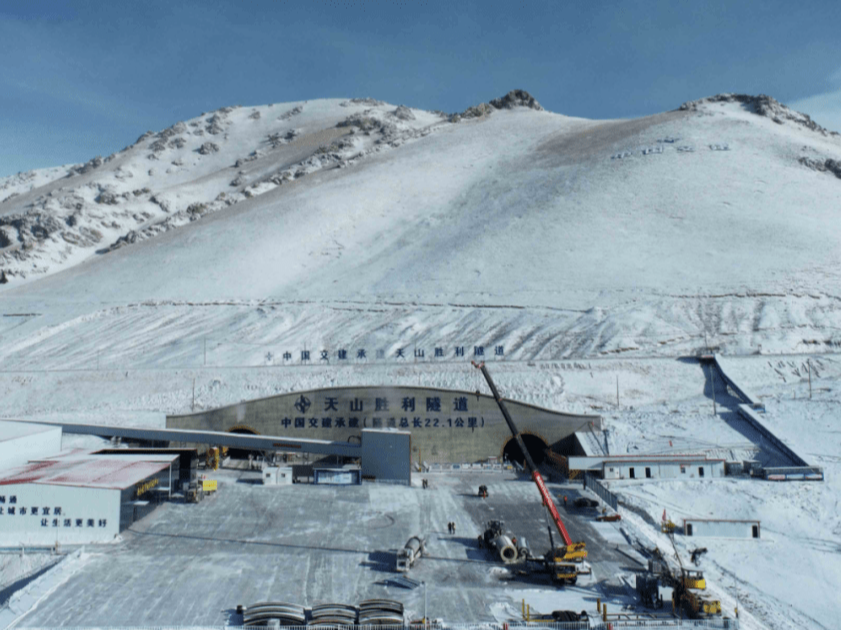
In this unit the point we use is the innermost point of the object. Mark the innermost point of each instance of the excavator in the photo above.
(561, 561)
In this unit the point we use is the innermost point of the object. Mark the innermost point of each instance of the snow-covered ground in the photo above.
(591, 253)
(782, 581)
(790, 577)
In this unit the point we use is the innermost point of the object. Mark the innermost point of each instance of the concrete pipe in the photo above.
(523, 550)
(507, 551)
(414, 544)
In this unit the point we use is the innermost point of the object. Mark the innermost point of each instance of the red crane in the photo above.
(572, 550)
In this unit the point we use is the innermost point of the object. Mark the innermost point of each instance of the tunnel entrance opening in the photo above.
(241, 453)
(535, 445)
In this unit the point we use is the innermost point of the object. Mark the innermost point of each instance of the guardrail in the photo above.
(593, 484)
(747, 397)
(753, 419)
(801, 471)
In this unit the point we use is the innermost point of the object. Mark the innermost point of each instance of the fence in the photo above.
(436, 467)
(593, 624)
(593, 484)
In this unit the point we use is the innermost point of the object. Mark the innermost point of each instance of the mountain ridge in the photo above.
(632, 227)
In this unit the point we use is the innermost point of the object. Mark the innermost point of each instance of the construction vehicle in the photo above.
(696, 554)
(211, 458)
(414, 548)
(648, 587)
(497, 539)
(688, 594)
(194, 493)
(668, 527)
(609, 518)
(558, 561)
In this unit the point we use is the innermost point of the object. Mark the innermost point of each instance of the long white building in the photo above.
(677, 466)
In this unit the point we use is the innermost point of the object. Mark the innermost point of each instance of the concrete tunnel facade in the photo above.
(446, 425)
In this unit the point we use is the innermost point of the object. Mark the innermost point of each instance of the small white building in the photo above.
(723, 528)
(678, 466)
(664, 469)
(277, 475)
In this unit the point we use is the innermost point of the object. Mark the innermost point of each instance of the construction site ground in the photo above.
(192, 565)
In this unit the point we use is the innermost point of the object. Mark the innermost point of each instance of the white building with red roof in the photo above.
(72, 497)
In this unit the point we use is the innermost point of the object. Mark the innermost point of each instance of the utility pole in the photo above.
(712, 385)
(617, 390)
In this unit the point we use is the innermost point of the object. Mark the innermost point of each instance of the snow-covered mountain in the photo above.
(714, 224)
(196, 267)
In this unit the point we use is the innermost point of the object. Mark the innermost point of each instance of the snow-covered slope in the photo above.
(331, 223)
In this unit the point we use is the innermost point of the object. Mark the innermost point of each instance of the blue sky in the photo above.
(79, 79)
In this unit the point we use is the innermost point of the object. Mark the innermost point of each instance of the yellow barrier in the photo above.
(209, 485)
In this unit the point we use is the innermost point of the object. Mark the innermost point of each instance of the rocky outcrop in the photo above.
(823, 166)
(88, 166)
(215, 124)
(403, 113)
(107, 197)
(476, 111)
(292, 112)
(762, 105)
(208, 147)
(516, 98)
(371, 102)
(369, 122)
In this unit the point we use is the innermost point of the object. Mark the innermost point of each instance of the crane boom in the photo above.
(535, 475)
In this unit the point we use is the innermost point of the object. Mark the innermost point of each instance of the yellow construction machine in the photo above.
(688, 592)
(211, 458)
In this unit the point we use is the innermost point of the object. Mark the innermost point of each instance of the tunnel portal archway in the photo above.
(535, 445)
(241, 453)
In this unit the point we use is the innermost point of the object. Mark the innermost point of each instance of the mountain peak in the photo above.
(761, 105)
